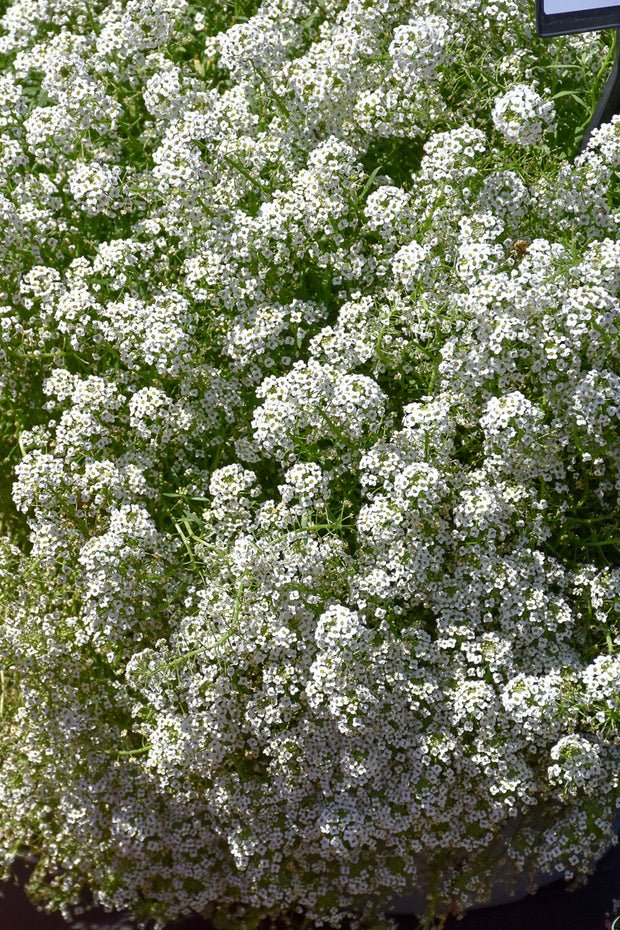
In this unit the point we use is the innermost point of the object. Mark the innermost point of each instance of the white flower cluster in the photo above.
(309, 568)
(95, 187)
(419, 47)
(522, 116)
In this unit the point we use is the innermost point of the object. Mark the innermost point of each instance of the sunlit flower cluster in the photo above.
(309, 391)
(522, 115)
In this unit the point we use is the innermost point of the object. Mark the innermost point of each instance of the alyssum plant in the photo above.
(310, 386)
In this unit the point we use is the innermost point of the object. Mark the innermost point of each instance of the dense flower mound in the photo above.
(309, 497)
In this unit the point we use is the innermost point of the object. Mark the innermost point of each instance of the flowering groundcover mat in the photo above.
(557, 906)
(310, 382)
